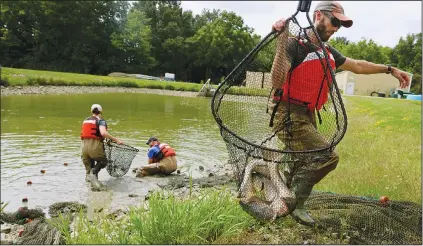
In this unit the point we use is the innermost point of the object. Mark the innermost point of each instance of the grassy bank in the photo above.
(38, 77)
(380, 154)
(212, 218)
(23, 77)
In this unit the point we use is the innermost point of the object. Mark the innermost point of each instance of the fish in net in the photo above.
(119, 157)
(281, 134)
(293, 124)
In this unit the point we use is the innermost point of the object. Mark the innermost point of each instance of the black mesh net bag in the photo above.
(281, 116)
(119, 157)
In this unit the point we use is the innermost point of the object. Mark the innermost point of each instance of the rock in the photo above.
(178, 171)
(4, 241)
(211, 174)
(5, 228)
(201, 168)
(133, 195)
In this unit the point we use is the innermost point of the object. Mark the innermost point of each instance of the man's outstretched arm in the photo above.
(365, 67)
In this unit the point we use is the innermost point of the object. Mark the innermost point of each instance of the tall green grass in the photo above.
(166, 220)
(381, 151)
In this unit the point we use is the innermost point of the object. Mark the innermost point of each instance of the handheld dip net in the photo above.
(119, 157)
(281, 138)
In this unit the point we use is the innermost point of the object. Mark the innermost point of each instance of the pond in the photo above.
(41, 132)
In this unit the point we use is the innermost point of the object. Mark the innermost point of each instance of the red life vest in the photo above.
(165, 151)
(307, 83)
(90, 128)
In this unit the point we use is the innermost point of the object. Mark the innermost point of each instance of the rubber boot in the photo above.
(94, 180)
(301, 215)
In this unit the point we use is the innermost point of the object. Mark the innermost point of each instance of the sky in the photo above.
(382, 21)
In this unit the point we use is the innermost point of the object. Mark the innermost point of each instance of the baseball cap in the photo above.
(337, 10)
(98, 106)
(151, 140)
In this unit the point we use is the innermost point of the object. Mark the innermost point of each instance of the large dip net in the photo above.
(119, 158)
(281, 116)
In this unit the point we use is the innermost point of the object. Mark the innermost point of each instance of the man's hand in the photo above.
(403, 77)
(118, 141)
(279, 25)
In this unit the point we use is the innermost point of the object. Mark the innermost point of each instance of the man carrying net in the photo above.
(93, 132)
(301, 89)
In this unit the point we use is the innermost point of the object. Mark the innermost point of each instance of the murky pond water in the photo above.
(41, 132)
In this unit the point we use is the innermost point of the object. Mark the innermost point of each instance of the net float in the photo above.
(29, 182)
(43, 171)
(384, 199)
(24, 199)
(65, 164)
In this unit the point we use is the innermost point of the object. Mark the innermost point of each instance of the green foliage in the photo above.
(155, 37)
(167, 220)
(406, 55)
(4, 81)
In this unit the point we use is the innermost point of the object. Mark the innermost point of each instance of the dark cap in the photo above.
(337, 10)
(151, 140)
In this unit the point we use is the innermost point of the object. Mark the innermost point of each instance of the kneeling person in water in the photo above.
(161, 159)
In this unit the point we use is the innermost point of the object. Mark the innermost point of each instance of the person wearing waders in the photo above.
(306, 97)
(161, 159)
(93, 132)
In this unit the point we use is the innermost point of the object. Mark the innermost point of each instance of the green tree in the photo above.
(407, 55)
(134, 42)
(222, 43)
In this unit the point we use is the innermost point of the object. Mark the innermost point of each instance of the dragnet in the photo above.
(119, 158)
(266, 145)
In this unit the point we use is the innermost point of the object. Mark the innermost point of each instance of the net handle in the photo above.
(304, 6)
(109, 141)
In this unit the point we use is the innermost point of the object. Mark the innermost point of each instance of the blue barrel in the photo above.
(414, 97)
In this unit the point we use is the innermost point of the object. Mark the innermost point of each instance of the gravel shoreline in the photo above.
(41, 90)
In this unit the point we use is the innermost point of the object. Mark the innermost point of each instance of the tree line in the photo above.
(152, 37)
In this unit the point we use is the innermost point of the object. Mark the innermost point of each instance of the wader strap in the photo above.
(278, 92)
(320, 117)
(268, 98)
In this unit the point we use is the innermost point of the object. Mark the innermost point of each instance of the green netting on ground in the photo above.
(367, 220)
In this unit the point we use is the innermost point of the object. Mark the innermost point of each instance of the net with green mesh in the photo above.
(119, 157)
(281, 116)
(367, 220)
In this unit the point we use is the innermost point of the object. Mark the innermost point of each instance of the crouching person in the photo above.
(161, 159)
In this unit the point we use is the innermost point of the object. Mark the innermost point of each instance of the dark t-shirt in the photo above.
(100, 122)
(297, 52)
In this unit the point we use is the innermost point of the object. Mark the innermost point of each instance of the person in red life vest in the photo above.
(94, 131)
(161, 159)
(306, 97)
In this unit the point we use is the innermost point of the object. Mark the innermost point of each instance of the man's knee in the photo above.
(102, 163)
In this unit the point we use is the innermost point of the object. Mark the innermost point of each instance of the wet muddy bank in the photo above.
(179, 185)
